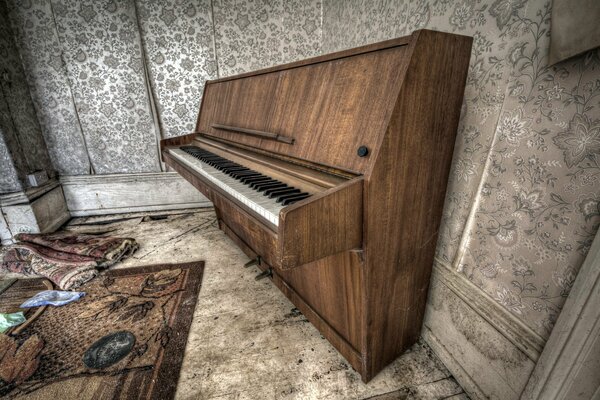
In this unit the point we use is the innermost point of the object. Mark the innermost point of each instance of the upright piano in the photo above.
(330, 174)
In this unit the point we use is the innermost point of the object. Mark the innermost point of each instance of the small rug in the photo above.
(124, 339)
(67, 259)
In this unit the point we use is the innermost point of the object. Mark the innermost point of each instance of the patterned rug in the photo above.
(124, 339)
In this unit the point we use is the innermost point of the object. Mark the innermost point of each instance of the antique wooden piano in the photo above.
(330, 174)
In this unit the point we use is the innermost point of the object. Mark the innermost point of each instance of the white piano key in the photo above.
(256, 201)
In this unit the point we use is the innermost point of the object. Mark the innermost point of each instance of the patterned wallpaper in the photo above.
(109, 78)
(257, 34)
(523, 204)
(23, 149)
(101, 47)
(9, 180)
(179, 52)
(39, 47)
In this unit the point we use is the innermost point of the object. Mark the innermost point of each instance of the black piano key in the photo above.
(272, 189)
(279, 193)
(248, 173)
(251, 179)
(280, 199)
(256, 185)
(237, 170)
(241, 174)
(261, 183)
(292, 200)
(273, 185)
(275, 189)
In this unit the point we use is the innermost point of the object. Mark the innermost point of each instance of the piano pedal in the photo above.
(267, 273)
(250, 263)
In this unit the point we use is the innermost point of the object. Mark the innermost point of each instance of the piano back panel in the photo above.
(330, 108)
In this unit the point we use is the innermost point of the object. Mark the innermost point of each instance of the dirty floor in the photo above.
(247, 341)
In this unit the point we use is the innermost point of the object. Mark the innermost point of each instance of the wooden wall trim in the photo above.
(511, 327)
(121, 193)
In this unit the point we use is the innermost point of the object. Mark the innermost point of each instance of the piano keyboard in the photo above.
(259, 192)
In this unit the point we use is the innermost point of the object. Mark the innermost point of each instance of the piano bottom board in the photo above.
(346, 349)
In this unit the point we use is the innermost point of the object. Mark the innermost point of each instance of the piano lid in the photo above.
(321, 110)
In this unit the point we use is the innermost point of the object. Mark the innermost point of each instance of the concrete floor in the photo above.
(247, 341)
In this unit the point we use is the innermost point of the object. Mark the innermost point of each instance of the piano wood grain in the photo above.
(356, 256)
(327, 223)
(401, 223)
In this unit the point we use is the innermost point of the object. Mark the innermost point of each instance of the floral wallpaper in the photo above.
(179, 52)
(9, 180)
(257, 34)
(102, 51)
(523, 202)
(23, 147)
(110, 78)
(39, 47)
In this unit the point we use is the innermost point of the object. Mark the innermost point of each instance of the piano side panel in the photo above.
(403, 209)
(176, 141)
(330, 108)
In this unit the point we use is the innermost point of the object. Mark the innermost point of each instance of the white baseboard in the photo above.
(488, 350)
(511, 327)
(123, 193)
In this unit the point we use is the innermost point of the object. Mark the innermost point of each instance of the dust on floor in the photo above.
(247, 341)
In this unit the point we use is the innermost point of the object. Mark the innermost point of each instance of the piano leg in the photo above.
(218, 212)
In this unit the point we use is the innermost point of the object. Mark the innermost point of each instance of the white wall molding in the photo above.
(121, 193)
(509, 325)
(489, 351)
(28, 195)
(569, 367)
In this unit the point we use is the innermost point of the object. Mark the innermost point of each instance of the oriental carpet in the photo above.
(124, 339)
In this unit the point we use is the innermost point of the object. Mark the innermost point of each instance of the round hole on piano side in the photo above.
(362, 151)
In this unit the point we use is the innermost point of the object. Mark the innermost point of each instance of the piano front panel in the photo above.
(315, 105)
(328, 292)
(332, 287)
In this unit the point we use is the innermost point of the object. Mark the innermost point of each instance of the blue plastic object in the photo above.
(52, 298)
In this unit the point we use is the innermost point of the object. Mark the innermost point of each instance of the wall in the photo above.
(23, 208)
(109, 79)
(528, 150)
